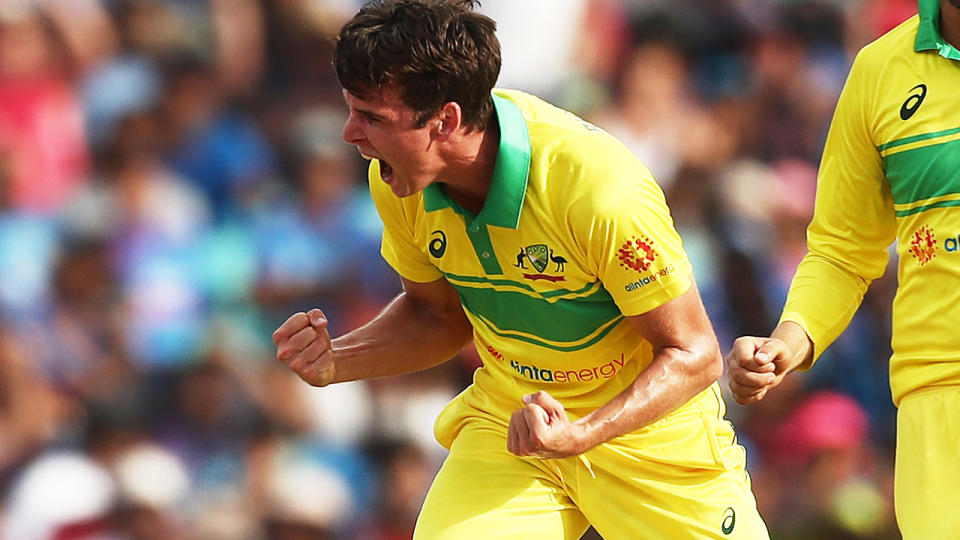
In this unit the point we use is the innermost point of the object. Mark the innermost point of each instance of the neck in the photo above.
(471, 167)
(950, 21)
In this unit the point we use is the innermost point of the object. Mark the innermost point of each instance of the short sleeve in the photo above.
(398, 247)
(634, 246)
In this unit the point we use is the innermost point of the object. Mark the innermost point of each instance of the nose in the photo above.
(352, 134)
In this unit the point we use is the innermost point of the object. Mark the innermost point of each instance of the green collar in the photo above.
(928, 34)
(510, 173)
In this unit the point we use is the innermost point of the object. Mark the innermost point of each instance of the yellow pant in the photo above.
(927, 478)
(681, 477)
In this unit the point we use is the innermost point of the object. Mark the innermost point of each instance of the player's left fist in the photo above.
(541, 429)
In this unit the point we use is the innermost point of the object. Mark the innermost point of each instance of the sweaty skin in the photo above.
(686, 361)
(425, 325)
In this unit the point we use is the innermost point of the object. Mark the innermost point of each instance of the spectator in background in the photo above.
(218, 149)
(42, 138)
(153, 490)
(62, 495)
(33, 414)
(405, 473)
(655, 109)
(119, 282)
(539, 39)
(320, 237)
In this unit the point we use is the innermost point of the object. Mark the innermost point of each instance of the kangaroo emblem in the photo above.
(520, 259)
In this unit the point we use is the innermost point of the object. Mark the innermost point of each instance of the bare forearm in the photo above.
(673, 378)
(405, 337)
(686, 361)
(798, 342)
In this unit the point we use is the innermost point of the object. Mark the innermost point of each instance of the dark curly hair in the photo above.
(435, 51)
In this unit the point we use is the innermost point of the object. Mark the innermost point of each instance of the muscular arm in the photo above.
(422, 327)
(686, 361)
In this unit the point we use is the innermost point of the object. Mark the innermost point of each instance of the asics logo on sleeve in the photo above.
(913, 102)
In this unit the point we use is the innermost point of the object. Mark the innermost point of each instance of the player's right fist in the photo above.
(303, 344)
(755, 365)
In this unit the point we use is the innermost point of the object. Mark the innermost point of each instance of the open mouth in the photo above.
(386, 171)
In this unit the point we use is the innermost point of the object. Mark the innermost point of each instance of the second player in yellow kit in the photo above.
(890, 171)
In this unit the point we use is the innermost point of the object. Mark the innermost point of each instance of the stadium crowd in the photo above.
(173, 185)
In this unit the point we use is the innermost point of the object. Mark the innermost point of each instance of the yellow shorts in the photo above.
(680, 477)
(927, 478)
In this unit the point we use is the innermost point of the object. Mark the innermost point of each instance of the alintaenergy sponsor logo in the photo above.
(536, 373)
(655, 276)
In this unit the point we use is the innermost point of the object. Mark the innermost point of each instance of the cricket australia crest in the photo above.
(540, 256)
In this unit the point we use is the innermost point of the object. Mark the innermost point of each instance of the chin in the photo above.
(406, 189)
(402, 191)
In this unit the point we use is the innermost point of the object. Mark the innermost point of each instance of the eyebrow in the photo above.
(369, 114)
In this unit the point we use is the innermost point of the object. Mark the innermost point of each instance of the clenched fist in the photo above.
(541, 429)
(755, 366)
(303, 344)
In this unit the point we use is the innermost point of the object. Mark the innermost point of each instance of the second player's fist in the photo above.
(755, 365)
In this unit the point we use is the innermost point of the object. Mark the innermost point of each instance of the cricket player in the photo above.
(890, 171)
(539, 237)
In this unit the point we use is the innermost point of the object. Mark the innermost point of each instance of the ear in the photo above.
(449, 119)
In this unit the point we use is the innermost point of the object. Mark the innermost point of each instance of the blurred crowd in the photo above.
(173, 186)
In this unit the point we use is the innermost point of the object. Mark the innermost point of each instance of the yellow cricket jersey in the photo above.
(574, 236)
(891, 170)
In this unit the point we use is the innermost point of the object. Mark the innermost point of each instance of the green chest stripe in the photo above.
(923, 173)
(563, 322)
(594, 288)
(588, 341)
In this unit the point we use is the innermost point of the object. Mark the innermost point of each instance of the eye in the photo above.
(370, 117)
